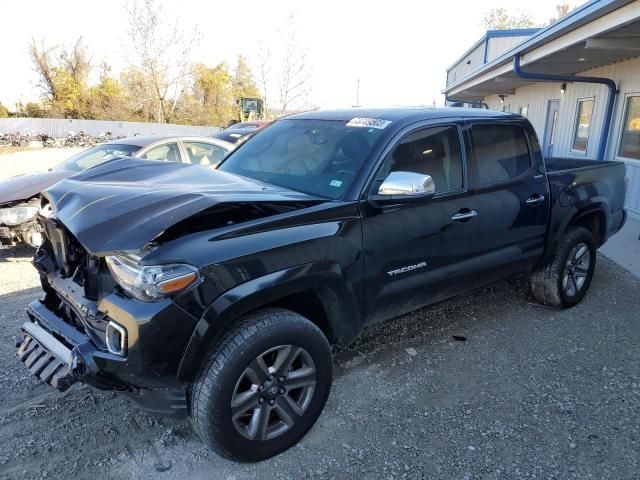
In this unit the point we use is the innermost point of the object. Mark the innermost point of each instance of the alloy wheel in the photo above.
(273, 392)
(576, 269)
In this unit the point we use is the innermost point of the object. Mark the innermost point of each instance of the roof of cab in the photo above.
(397, 113)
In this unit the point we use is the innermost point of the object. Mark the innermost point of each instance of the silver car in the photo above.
(20, 200)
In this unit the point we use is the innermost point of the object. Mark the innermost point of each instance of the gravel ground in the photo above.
(525, 392)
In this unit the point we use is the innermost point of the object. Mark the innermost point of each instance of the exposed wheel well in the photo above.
(310, 304)
(594, 222)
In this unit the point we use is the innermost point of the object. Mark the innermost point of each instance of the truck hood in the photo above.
(23, 187)
(124, 203)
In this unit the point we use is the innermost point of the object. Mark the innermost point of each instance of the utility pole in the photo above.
(357, 93)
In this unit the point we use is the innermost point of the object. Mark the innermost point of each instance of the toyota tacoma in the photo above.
(218, 293)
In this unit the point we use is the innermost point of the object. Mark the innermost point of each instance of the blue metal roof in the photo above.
(511, 32)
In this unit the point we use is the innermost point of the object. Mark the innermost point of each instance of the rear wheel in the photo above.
(263, 387)
(565, 280)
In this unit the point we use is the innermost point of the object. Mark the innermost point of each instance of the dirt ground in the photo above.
(532, 393)
(33, 160)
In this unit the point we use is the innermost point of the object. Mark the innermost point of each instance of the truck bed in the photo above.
(582, 185)
(563, 164)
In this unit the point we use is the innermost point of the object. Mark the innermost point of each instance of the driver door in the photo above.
(419, 251)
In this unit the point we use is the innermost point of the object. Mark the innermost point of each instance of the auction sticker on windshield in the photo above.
(368, 123)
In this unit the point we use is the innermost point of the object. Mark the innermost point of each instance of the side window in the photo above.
(168, 152)
(201, 153)
(433, 151)
(502, 152)
(583, 125)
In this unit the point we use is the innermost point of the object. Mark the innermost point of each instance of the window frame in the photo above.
(374, 182)
(576, 125)
(523, 107)
(625, 111)
(476, 164)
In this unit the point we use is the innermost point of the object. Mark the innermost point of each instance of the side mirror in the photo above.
(401, 187)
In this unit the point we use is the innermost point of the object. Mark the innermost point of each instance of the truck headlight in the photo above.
(153, 282)
(17, 215)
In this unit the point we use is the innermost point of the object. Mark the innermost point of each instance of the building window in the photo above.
(630, 140)
(583, 125)
(523, 110)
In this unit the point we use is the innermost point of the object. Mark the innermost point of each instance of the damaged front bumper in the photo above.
(61, 355)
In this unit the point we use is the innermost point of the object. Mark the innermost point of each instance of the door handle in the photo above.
(534, 199)
(464, 215)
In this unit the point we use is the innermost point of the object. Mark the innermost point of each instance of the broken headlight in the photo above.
(150, 283)
(17, 215)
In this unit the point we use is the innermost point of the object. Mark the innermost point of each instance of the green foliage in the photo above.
(34, 110)
(149, 90)
(4, 113)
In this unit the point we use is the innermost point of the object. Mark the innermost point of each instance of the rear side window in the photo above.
(502, 153)
(207, 154)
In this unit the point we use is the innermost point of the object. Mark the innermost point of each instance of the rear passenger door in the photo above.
(511, 197)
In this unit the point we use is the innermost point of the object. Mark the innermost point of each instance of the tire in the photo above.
(234, 371)
(564, 281)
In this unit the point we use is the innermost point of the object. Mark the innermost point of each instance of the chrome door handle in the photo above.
(535, 199)
(460, 216)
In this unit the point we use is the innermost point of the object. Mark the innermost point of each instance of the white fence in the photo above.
(57, 127)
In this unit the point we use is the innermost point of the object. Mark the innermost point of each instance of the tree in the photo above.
(108, 100)
(162, 54)
(141, 97)
(213, 94)
(34, 110)
(295, 74)
(501, 19)
(4, 112)
(264, 75)
(63, 75)
(562, 10)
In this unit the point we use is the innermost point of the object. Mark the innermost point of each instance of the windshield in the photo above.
(94, 156)
(318, 157)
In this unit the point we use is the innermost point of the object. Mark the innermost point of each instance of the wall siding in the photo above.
(626, 75)
(461, 69)
(499, 45)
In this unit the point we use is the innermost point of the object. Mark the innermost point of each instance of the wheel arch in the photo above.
(590, 214)
(317, 291)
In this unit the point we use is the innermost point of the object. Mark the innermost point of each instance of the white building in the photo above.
(577, 80)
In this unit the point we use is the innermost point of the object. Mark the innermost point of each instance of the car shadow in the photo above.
(11, 253)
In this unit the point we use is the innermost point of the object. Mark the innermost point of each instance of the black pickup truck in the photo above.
(218, 293)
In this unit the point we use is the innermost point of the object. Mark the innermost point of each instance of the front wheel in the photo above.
(263, 387)
(566, 278)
